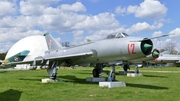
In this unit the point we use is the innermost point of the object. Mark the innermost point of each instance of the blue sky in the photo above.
(78, 20)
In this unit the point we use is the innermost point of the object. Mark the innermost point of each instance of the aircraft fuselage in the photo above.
(107, 50)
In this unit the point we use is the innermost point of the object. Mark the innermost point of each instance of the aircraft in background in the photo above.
(117, 47)
(15, 58)
(165, 58)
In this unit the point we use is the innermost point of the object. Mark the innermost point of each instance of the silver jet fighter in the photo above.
(117, 47)
(167, 58)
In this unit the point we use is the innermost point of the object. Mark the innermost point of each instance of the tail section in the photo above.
(15, 58)
(51, 42)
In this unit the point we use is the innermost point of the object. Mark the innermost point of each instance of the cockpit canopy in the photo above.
(117, 35)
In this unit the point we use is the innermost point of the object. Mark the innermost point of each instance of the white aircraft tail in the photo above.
(51, 42)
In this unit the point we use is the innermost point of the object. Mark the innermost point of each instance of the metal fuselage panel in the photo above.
(140, 60)
(104, 51)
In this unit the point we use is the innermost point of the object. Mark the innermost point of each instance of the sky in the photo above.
(76, 21)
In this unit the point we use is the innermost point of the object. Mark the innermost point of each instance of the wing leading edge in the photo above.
(69, 56)
(55, 58)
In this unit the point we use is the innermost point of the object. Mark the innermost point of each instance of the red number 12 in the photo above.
(131, 48)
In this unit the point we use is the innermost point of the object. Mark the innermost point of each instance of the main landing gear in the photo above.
(98, 70)
(52, 70)
(112, 74)
(126, 67)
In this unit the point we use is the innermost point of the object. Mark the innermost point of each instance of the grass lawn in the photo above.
(157, 84)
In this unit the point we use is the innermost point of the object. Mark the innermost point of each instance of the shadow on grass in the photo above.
(74, 79)
(90, 72)
(10, 95)
(3, 71)
(146, 86)
(155, 76)
(66, 78)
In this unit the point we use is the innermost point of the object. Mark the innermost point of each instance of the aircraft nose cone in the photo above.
(155, 53)
(147, 46)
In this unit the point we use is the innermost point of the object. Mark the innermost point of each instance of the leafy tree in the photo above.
(170, 46)
(2, 56)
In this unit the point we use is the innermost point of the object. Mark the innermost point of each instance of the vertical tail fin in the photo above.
(51, 42)
(16, 58)
(19, 56)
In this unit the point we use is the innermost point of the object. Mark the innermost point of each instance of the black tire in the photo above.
(125, 67)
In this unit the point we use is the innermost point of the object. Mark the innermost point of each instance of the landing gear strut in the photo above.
(112, 74)
(136, 69)
(99, 68)
(52, 70)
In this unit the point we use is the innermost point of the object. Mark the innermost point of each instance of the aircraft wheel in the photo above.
(125, 67)
(95, 73)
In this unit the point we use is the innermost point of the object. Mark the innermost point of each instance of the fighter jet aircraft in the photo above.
(117, 47)
(167, 58)
(15, 58)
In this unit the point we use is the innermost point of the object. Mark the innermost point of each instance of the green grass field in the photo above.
(157, 84)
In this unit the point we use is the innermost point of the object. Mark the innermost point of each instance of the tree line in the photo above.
(2, 56)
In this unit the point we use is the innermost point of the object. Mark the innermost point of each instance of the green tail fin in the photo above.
(19, 56)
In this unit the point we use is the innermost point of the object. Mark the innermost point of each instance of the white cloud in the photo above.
(14, 35)
(76, 7)
(20, 22)
(148, 9)
(98, 22)
(78, 37)
(58, 39)
(7, 8)
(44, 2)
(27, 8)
(156, 34)
(175, 33)
(120, 10)
(144, 26)
(35, 7)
